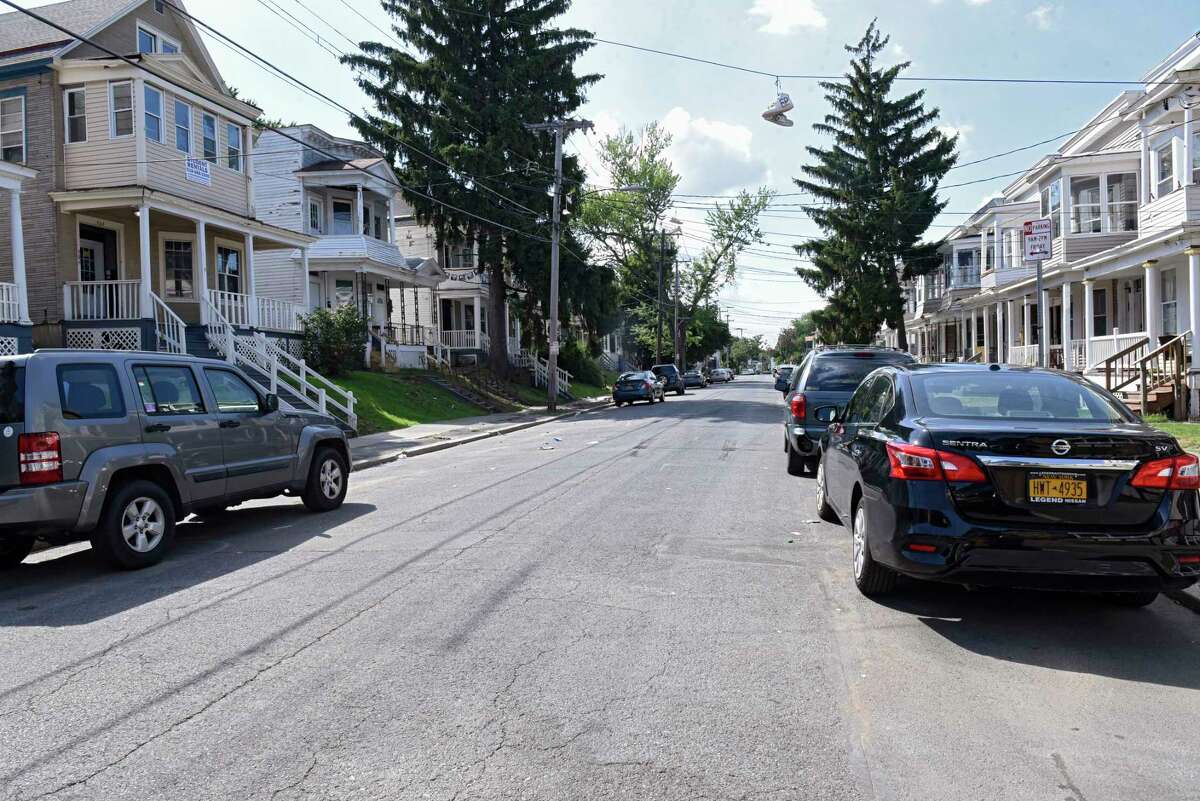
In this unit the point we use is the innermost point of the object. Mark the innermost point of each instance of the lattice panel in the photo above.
(8, 346)
(293, 347)
(104, 338)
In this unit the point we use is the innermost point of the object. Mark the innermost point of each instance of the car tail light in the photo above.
(799, 406)
(649, 387)
(916, 463)
(1171, 472)
(40, 458)
(920, 547)
(1193, 559)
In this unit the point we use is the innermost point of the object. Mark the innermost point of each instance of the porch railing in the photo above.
(459, 339)
(1077, 355)
(234, 307)
(1107, 346)
(1121, 369)
(1165, 366)
(10, 307)
(101, 300)
(169, 327)
(1023, 355)
(279, 315)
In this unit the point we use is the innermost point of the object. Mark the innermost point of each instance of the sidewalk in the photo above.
(373, 450)
(1189, 597)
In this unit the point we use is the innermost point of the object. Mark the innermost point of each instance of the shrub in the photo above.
(333, 340)
(575, 360)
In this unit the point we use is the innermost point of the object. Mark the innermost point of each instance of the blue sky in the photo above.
(721, 142)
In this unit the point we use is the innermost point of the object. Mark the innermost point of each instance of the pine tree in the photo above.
(456, 97)
(876, 188)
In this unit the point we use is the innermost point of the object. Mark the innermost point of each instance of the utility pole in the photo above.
(675, 330)
(558, 127)
(662, 257)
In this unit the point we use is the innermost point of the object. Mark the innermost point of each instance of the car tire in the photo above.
(871, 578)
(137, 526)
(328, 481)
(795, 462)
(1131, 600)
(824, 510)
(679, 392)
(13, 551)
(811, 463)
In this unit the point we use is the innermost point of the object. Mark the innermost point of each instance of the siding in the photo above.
(1082, 246)
(38, 215)
(277, 200)
(278, 275)
(121, 36)
(165, 168)
(100, 161)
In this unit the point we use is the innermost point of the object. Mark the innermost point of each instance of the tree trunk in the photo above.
(497, 323)
(901, 334)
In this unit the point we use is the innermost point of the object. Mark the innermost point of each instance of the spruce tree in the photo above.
(449, 109)
(876, 192)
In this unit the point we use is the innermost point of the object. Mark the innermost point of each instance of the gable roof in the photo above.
(20, 33)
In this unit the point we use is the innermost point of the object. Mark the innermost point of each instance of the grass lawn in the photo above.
(1188, 434)
(384, 402)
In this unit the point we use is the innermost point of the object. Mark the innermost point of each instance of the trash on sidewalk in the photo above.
(546, 446)
(594, 442)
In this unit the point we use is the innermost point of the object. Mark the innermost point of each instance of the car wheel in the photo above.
(13, 551)
(811, 464)
(870, 577)
(137, 527)
(1132, 600)
(795, 462)
(679, 392)
(328, 480)
(824, 510)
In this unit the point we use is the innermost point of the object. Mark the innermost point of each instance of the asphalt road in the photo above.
(629, 604)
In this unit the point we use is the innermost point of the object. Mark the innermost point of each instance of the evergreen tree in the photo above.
(450, 106)
(876, 190)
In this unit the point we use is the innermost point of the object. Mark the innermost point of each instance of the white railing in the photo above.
(10, 307)
(459, 339)
(1077, 355)
(217, 329)
(168, 326)
(101, 300)
(1104, 347)
(1023, 355)
(234, 307)
(279, 315)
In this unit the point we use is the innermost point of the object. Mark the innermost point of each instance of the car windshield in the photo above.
(12, 393)
(843, 373)
(1030, 396)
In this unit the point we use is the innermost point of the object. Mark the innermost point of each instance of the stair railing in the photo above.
(1121, 369)
(168, 326)
(310, 386)
(1165, 366)
(217, 330)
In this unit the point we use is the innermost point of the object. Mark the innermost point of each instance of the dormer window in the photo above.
(151, 41)
(160, 6)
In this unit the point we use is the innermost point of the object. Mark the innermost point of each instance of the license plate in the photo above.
(1065, 488)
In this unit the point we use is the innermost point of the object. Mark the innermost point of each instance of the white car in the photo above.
(721, 375)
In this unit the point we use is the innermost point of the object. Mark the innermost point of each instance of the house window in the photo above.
(229, 269)
(1170, 305)
(343, 217)
(76, 115)
(366, 220)
(120, 101)
(233, 146)
(1166, 175)
(147, 41)
(1100, 312)
(1085, 205)
(12, 129)
(378, 223)
(1196, 158)
(160, 6)
(209, 125)
(343, 293)
(153, 113)
(1051, 205)
(183, 127)
(177, 265)
(314, 216)
(169, 48)
(1122, 202)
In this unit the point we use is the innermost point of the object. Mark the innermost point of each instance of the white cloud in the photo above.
(1045, 16)
(713, 156)
(899, 52)
(962, 131)
(978, 2)
(784, 15)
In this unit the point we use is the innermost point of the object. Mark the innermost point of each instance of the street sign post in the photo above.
(1037, 243)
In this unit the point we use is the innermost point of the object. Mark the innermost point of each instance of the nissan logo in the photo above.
(1060, 447)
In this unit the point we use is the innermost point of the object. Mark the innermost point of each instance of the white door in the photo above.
(315, 301)
(1134, 307)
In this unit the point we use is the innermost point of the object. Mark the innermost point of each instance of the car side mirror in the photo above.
(271, 403)
(827, 414)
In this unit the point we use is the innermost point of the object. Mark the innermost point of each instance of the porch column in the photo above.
(144, 261)
(987, 336)
(960, 336)
(942, 341)
(1193, 257)
(1026, 314)
(1151, 290)
(1012, 326)
(1066, 315)
(358, 209)
(1144, 183)
(478, 343)
(1189, 150)
(252, 301)
(391, 226)
(18, 253)
(973, 336)
(1089, 320)
(1044, 329)
(202, 268)
(304, 278)
(1001, 322)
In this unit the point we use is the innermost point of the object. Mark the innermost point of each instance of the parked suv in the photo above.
(671, 377)
(116, 447)
(828, 376)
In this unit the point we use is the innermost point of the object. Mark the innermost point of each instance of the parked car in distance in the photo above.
(694, 378)
(827, 376)
(720, 375)
(988, 475)
(117, 446)
(671, 377)
(783, 374)
(638, 385)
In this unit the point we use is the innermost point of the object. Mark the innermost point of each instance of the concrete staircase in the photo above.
(462, 393)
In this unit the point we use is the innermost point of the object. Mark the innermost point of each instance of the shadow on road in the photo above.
(1073, 632)
(78, 588)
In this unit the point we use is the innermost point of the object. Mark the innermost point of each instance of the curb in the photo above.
(421, 450)
(1185, 599)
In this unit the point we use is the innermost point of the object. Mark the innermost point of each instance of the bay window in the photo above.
(1085, 205)
(1051, 206)
(153, 113)
(208, 124)
(75, 114)
(1196, 158)
(183, 127)
(343, 217)
(120, 103)
(314, 216)
(233, 146)
(12, 129)
(1122, 198)
(1166, 167)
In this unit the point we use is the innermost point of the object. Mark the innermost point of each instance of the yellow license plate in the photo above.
(1057, 488)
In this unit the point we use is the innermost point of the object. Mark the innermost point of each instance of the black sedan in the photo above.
(987, 475)
(639, 385)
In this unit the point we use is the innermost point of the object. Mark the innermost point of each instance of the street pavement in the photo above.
(632, 603)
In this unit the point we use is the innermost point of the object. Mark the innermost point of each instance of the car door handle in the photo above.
(230, 423)
(157, 428)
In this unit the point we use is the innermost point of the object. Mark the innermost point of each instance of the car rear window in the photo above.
(12, 393)
(668, 369)
(844, 373)
(90, 391)
(1004, 395)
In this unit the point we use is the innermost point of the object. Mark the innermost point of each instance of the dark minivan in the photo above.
(826, 376)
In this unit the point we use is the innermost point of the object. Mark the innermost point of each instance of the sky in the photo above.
(721, 144)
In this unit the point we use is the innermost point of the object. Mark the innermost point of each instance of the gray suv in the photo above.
(116, 447)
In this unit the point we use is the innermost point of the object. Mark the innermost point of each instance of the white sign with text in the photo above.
(1038, 239)
(197, 171)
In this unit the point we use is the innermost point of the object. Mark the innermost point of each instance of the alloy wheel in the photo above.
(143, 524)
(860, 541)
(820, 486)
(331, 479)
